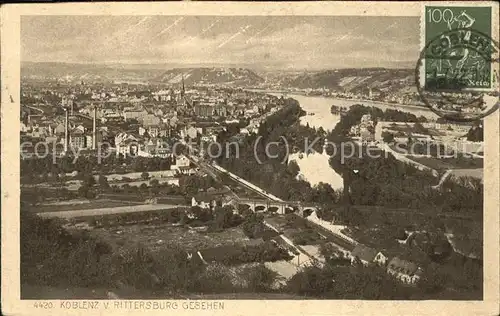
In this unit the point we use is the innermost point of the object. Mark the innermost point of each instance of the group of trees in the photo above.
(51, 256)
(275, 173)
(264, 252)
(217, 219)
(353, 117)
(50, 166)
(253, 226)
(346, 282)
(475, 134)
(459, 278)
(382, 181)
(152, 217)
(193, 184)
(386, 181)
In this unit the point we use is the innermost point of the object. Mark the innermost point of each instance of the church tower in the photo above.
(183, 89)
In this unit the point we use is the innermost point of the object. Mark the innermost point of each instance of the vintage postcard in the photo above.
(232, 158)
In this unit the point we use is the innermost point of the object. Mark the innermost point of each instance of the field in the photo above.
(82, 205)
(153, 237)
(108, 210)
(450, 163)
(409, 130)
(476, 173)
(294, 227)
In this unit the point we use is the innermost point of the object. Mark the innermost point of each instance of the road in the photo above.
(214, 169)
(35, 108)
(108, 210)
(443, 178)
(247, 184)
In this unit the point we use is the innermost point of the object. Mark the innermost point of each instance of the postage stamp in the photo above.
(457, 72)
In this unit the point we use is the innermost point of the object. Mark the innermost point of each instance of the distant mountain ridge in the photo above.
(86, 72)
(211, 75)
(347, 80)
(353, 80)
(147, 73)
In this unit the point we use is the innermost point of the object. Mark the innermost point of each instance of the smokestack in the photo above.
(66, 130)
(71, 102)
(94, 129)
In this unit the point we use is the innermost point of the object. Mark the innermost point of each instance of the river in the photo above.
(320, 106)
(315, 168)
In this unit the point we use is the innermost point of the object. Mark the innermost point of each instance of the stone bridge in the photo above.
(285, 207)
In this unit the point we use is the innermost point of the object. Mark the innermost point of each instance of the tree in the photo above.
(400, 233)
(144, 175)
(475, 134)
(351, 216)
(433, 280)
(311, 281)
(103, 182)
(387, 137)
(253, 225)
(293, 168)
(244, 210)
(83, 190)
(223, 217)
(260, 278)
(88, 180)
(419, 128)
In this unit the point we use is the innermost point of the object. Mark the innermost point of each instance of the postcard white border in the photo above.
(10, 75)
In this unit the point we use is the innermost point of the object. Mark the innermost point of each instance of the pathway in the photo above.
(108, 210)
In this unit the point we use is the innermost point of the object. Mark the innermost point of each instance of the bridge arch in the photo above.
(273, 209)
(307, 212)
(289, 209)
(260, 208)
(245, 207)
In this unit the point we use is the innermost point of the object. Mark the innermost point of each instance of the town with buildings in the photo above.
(198, 183)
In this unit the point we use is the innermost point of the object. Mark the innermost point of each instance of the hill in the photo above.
(72, 72)
(354, 80)
(230, 76)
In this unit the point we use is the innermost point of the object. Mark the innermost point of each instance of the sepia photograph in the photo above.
(189, 159)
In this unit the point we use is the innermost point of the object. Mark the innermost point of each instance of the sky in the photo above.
(285, 42)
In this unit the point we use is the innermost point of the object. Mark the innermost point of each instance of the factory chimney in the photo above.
(94, 142)
(66, 130)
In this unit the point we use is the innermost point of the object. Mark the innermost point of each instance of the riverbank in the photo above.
(347, 103)
(315, 168)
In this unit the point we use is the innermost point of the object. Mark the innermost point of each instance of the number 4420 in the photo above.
(44, 305)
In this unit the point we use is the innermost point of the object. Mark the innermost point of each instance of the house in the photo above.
(211, 198)
(186, 170)
(366, 135)
(157, 131)
(127, 148)
(190, 132)
(380, 259)
(25, 128)
(212, 138)
(149, 120)
(182, 164)
(405, 271)
(203, 200)
(365, 254)
(77, 139)
(244, 131)
(134, 114)
(126, 144)
(59, 130)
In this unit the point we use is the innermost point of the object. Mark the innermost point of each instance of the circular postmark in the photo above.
(457, 75)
